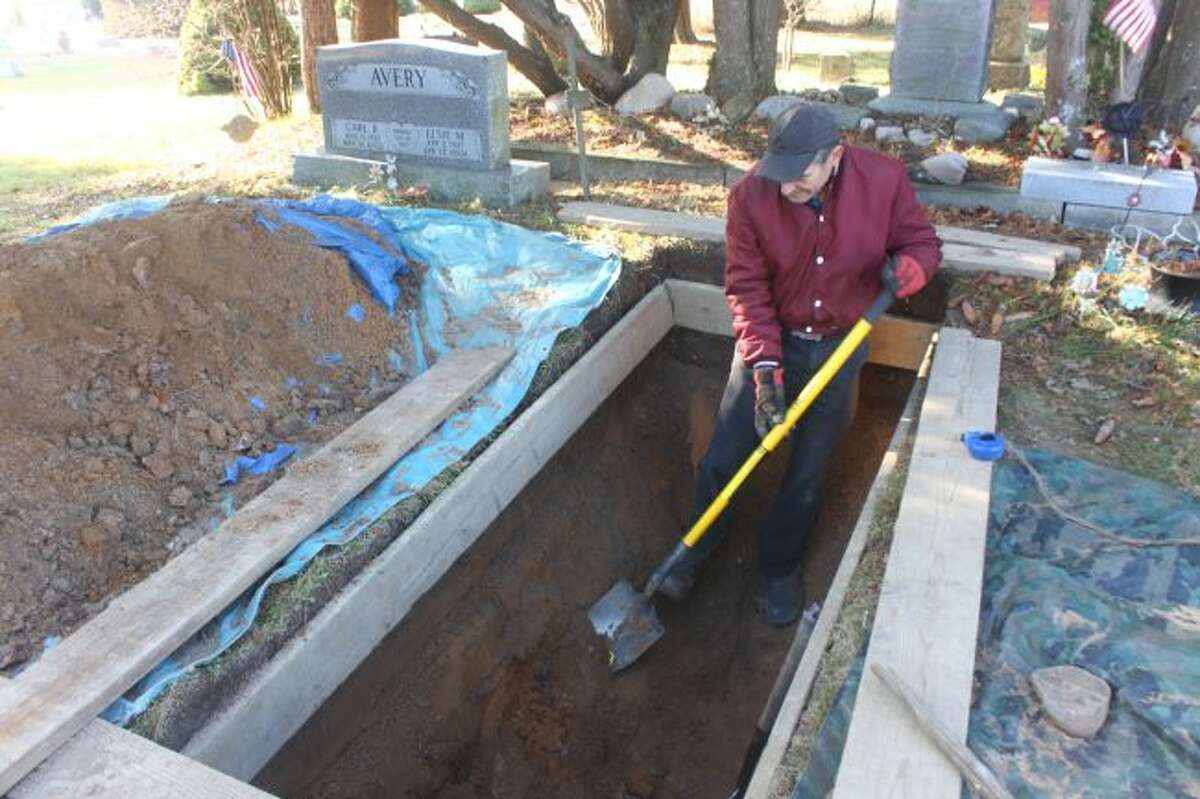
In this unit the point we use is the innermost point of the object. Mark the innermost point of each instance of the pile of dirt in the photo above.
(496, 685)
(140, 358)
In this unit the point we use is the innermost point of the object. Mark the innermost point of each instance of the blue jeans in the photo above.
(782, 533)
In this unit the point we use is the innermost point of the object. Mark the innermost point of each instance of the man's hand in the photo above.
(909, 275)
(770, 404)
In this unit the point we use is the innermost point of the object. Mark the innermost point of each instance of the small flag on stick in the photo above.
(1133, 21)
(248, 79)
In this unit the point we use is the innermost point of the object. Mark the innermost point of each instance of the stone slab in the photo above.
(1171, 191)
(895, 104)
(564, 165)
(1094, 217)
(941, 49)
(431, 101)
(1000, 199)
(518, 182)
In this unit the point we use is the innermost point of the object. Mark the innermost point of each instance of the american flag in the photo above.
(1133, 21)
(247, 74)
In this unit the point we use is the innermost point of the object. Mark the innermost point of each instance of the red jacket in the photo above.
(788, 266)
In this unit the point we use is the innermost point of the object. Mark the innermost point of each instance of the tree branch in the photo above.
(532, 65)
(596, 73)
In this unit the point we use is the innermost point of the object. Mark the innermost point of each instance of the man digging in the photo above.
(807, 234)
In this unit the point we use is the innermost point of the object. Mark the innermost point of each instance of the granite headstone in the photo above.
(434, 112)
(941, 50)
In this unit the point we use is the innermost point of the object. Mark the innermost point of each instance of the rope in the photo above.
(1104, 532)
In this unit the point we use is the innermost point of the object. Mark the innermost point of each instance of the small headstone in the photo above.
(889, 133)
(689, 105)
(921, 137)
(941, 49)
(983, 127)
(948, 168)
(652, 93)
(1075, 699)
(857, 94)
(866, 123)
(1025, 106)
(418, 112)
(835, 67)
(775, 105)
(1170, 191)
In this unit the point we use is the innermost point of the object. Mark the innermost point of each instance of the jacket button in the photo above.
(820, 259)
(808, 329)
(817, 304)
(821, 218)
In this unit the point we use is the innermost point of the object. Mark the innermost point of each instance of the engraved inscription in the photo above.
(397, 78)
(411, 140)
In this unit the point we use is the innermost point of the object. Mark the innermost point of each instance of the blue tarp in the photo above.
(486, 284)
(1056, 593)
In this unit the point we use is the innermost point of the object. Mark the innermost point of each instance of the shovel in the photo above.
(624, 616)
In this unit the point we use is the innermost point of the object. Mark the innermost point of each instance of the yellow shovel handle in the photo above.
(810, 392)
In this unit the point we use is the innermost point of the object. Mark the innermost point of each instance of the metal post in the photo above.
(575, 100)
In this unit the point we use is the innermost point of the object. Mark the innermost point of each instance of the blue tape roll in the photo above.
(984, 446)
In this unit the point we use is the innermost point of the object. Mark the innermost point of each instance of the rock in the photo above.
(141, 270)
(110, 519)
(775, 105)
(847, 117)
(921, 137)
(76, 441)
(217, 435)
(556, 105)
(240, 128)
(651, 93)
(119, 432)
(983, 127)
(290, 426)
(148, 246)
(1191, 130)
(141, 444)
(866, 123)
(1025, 106)
(857, 94)
(690, 105)
(1075, 699)
(889, 133)
(948, 168)
(159, 465)
(179, 497)
(93, 537)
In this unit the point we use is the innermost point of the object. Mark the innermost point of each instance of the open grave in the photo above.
(495, 683)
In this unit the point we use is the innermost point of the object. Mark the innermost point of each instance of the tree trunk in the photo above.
(319, 26)
(743, 69)
(1066, 60)
(1171, 89)
(652, 38)
(683, 24)
(374, 19)
(534, 64)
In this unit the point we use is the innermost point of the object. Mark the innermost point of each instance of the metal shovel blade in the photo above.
(626, 619)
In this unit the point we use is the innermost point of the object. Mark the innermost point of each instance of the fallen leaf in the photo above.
(1145, 402)
(956, 300)
(997, 323)
(1000, 280)
(1021, 316)
(969, 312)
(1106, 430)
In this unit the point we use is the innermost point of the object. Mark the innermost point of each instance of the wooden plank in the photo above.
(284, 693)
(73, 682)
(894, 341)
(928, 613)
(988, 253)
(762, 784)
(1062, 253)
(103, 761)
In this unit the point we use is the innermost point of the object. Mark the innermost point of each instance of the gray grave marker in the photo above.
(435, 112)
(942, 49)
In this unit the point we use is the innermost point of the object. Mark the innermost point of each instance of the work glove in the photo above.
(909, 275)
(770, 404)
